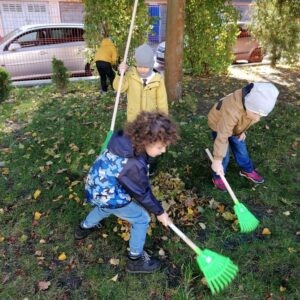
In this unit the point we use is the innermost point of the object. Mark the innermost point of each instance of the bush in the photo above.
(5, 84)
(209, 34)
(60, 75)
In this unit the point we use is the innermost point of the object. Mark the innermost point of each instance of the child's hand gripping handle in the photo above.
(230, 191)
(185, 238)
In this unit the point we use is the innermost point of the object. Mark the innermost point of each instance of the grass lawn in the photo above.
(47, 143)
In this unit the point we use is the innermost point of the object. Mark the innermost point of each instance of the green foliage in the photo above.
(210, 32)
(276, 24)
(49, 145)
(60, 75)
(5, 85)
(112, 18)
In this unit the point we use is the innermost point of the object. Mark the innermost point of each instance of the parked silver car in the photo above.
(27, 52)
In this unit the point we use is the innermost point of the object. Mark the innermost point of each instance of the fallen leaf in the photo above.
(37, 215)
(125, 236)
(228, 216)
(44, 285)
(266, 231)
(2, 238)
(115, 278)
(202, 225)
(161, 252)
(282, 289)
(36, 194)
(62, 256)
(114, 261)
(91, 152)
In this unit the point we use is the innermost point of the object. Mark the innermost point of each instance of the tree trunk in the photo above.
(174, 49)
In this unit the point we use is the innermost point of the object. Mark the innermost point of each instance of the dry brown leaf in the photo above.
(44, 285)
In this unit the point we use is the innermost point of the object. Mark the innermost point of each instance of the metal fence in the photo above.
(27, 49)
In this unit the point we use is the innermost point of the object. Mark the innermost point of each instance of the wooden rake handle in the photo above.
(230, 191)
(113, 121)
(185, 238)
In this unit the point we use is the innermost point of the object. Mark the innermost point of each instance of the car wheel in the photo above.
(256, 56)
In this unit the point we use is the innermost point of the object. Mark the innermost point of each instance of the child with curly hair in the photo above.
(118, 184)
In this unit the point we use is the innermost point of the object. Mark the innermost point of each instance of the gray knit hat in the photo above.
(144, 56)
(262, 98)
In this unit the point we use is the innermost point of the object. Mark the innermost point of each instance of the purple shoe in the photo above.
(219, 184)
(253, 176)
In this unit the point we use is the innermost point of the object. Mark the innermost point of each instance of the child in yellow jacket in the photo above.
(145, 88)
(105, 57)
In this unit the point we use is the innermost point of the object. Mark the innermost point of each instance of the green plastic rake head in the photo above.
(218, 270)
(247, 220)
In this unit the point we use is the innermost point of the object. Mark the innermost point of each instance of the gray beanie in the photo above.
(262, 98)
(144, 56)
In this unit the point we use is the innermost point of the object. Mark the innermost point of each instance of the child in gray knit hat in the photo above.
(229, 119)
(144, 86)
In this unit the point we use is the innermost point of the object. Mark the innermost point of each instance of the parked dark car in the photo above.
(246, 48)
(27, 52)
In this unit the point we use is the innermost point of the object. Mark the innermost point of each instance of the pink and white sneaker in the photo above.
(253, 176)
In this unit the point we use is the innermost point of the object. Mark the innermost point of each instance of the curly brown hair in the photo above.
(151, 127)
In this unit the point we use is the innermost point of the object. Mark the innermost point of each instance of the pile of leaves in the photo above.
(182, 205)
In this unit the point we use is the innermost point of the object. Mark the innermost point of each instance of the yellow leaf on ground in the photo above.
(2, 238)
(228, 216)
(190, 211)
(37, 215)
(36, 194)
(266, 231)
(125, 236)
(62, 256)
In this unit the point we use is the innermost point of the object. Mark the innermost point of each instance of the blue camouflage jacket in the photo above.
(118, 175)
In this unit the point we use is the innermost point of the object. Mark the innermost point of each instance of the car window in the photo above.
(28, 39)
(65, 35)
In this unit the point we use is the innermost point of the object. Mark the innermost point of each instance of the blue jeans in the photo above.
(240, 153)
(136, 215)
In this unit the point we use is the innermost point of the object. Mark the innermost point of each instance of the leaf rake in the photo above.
(247, 221)
(218, 270)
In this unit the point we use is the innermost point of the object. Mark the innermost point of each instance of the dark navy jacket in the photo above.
(118, 175)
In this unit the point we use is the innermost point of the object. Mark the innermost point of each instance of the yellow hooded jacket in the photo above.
(107, 51)
(152, 97)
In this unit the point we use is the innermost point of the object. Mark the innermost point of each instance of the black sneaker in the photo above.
(142, 264)
(82, 233)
